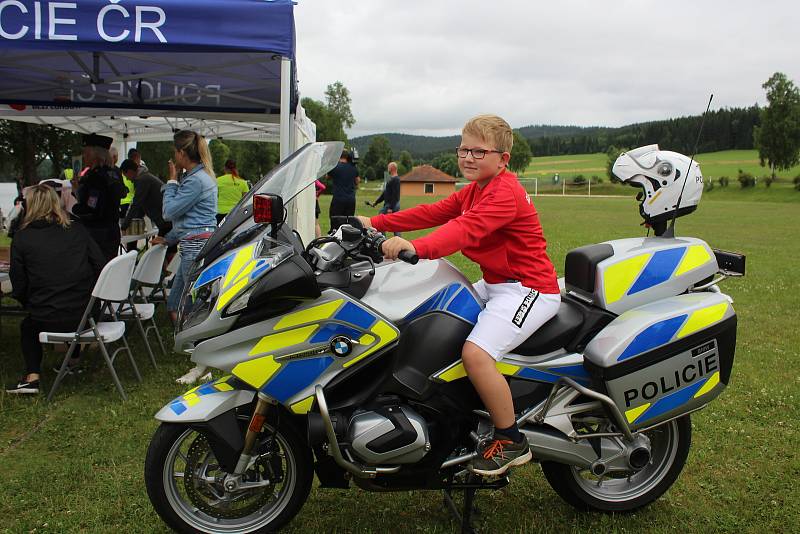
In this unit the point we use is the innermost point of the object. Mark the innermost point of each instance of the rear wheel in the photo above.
(624, 492)
(185, 482)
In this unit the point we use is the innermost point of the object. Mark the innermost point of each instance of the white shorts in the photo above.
(512, 314)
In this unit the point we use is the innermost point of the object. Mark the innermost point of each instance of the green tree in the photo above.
(447, 163)
(23, 147)
(378, 156)
(220, 152)
(778, 137)
(520, 154)
(612, 154)
(329, 125)
(337, 97)
(254, 159)
(155, 155)
(404, 162)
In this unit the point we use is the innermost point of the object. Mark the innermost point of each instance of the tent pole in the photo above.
(286, 123)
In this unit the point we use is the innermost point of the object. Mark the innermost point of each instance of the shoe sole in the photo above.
(519, 460)
(22, 391)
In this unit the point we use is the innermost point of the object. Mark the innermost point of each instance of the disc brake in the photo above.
(203, 482)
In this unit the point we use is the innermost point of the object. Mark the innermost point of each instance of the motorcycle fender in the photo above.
(204, 403)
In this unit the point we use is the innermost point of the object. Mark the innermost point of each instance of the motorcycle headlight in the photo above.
(198, 302)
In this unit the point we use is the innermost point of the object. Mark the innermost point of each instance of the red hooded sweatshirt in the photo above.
(495, 226)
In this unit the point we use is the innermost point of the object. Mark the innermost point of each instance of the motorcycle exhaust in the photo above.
(336, 452)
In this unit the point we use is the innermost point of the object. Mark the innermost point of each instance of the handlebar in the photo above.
(405, 255)
(408, 257)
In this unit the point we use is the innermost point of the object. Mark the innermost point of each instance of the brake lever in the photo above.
(371, 262)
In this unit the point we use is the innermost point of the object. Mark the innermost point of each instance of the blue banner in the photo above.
(148, 25)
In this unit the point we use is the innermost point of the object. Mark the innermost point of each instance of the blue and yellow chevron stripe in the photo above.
(236, 270)
(455, 299)
(674, 328)
(648, 411)
(192, 397)
(312, 326)
(636, 274)
(456, 371)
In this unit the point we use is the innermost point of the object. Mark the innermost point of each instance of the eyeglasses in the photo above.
(477, 153)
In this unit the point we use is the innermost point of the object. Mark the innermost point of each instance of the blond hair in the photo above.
(42, 203)
(195, 147)
(491, 129)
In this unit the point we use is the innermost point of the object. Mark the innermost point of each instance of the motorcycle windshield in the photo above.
(287, 180)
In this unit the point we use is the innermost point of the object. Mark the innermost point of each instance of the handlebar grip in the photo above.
(408, 257)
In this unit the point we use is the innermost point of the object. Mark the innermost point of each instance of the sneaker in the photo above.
(499, 455)
(195, 374)
(23, 387)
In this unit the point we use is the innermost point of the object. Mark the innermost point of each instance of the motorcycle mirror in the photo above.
(268, 209)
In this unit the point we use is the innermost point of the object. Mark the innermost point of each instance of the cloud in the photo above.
(425, 67)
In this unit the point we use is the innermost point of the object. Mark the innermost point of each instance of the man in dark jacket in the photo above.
(146, 197)
(391, 193)
(99, 193)
(345, 180)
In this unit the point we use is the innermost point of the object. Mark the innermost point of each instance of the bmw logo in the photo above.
(341, 346)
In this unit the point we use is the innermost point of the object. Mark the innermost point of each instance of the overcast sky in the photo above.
(424, 67)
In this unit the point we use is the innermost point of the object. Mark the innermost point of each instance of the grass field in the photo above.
(76, 465)
(713, 165)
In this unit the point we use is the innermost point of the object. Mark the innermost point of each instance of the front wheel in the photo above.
(185, 482)
(625, 492)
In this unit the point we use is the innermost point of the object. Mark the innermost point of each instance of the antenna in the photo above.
(670, 232)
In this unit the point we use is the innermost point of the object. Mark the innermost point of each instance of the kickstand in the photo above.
(465, 517)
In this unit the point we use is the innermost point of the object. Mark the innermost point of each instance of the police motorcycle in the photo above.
(345, 366)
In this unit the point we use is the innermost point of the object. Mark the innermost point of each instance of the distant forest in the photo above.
(724, 129)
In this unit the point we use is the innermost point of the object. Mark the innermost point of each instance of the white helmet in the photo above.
(661, 175)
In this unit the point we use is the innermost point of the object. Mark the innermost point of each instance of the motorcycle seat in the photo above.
(556, 333)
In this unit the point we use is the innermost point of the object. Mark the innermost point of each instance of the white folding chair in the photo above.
(148, 277)
(147, 274)
(113, 286)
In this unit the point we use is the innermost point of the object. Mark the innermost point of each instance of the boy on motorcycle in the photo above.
(492, 222)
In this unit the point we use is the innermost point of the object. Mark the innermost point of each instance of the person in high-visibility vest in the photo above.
(230, 189)
(125, 203)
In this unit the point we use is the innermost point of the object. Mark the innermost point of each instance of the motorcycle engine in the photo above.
(391, 434)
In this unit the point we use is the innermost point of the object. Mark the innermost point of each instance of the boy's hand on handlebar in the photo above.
(364, 221)
(392, 247)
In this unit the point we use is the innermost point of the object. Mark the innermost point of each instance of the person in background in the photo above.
(15, 216)
(99, 192)
(190, 203)
(390, 194)
(125, 203)
(230, 189)
(319, 187)
(54, 265)
(136, 156)
(345, 180)
(146, 198)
